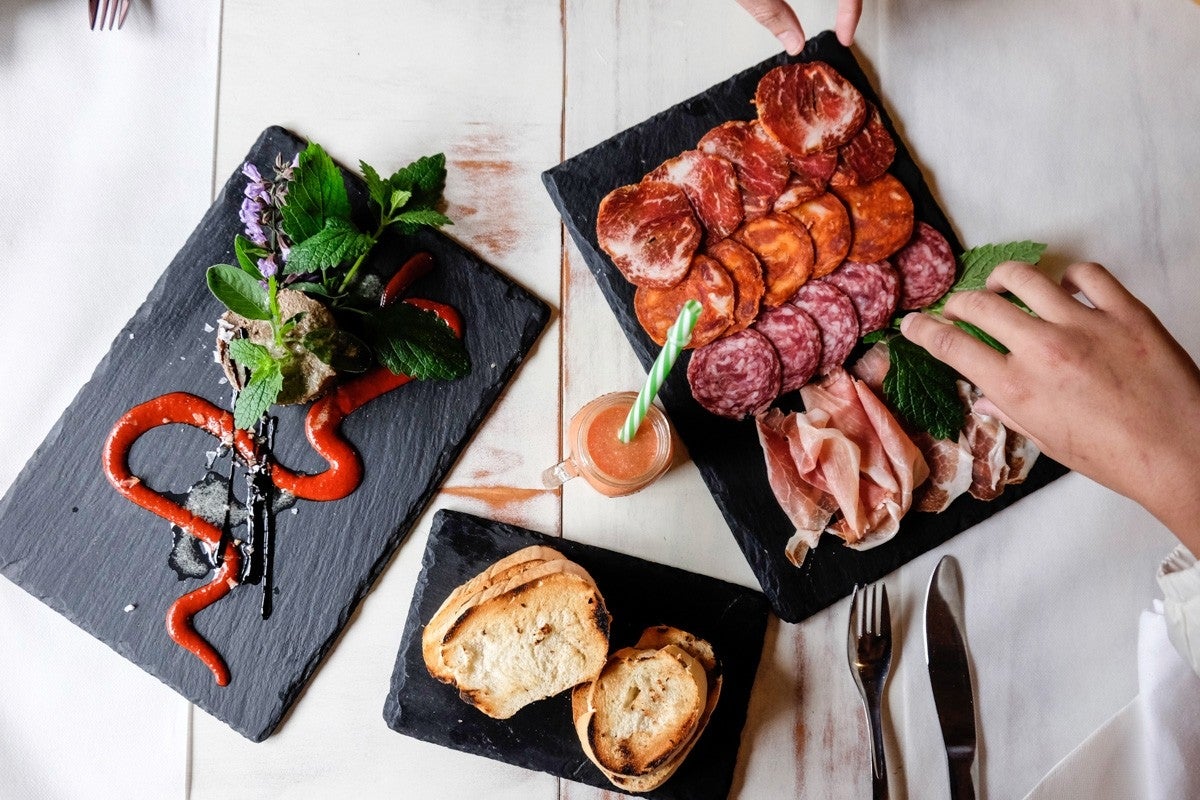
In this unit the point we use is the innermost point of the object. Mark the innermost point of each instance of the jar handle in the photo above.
(559, 474)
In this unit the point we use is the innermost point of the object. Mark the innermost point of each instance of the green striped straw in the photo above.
(678, 336)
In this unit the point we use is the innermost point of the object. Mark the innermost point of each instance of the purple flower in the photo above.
(251, 172)
(267, 266)
(250, 210)
(256, 234)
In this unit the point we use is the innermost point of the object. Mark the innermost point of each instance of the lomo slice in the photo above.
(710, 183)
(748, 286)
(926, 266)
(836, 319)
(874, 289)
(881, 217)
(761, 165)
(735, 376)
(828, 223)
(706, 282)
(809, 107)
(797, 339)
(785, 250)
(649, 231)
(868, 155)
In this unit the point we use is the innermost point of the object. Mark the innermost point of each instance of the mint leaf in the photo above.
(338, 242)
(248, 254)
(411, 341)
(923, 390)
(425, 178)
(981, 335)
(251, 355)
(399, 199)
(337, 348)
(260, 393)
(316, 195)
(240, 293)
(978, 262)
(376, 187)
(407, 223)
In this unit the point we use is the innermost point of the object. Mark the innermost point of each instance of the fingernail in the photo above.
(792, 42)
(906, 323)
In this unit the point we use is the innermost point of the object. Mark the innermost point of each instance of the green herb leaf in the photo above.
(923, 390)
(316, 195)
(308, 287)
(240, 293)
(337, 243)
(409, 222)
(251, 355)
(981, 335)
(248, 254)
(399, 199)
(411, 341)
(337, 348)
(978, 262)
(260, 393)
(376, 187)
(425, 178)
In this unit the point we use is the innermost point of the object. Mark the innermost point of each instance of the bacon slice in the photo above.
(649, 231)
(809, 107)
(761, 165)
(710, 184)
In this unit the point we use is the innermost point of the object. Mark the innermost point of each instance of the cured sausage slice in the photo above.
(810, 176)
(649, 231)
(926, 266)
(828, 223)
(809, 107)
(868, 155)
(748, 287)
(881, 217)
(735, 376)
(760, 164)
(797, 339)
(836, 319)
(785, 250)
(874, 289)
(710, 183)
(707, 283)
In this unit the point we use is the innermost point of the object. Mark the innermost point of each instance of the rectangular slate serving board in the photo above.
(70, 540)
(638, 594)
(728, 453)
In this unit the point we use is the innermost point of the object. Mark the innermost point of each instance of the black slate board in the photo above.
(70, 540)
(727, 453)
(638, 594)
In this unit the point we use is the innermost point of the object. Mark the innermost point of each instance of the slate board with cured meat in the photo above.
(70, 540)
(727, 452)
(638, 594)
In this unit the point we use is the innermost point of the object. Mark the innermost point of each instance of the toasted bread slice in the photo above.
(531, 641)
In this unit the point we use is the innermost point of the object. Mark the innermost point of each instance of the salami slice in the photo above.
(735, 376)
(785, 250)
(710, 184)
(828, 223)
(809, 107)
(706, 282)
(874, 289)
(797, 339)
(926, 266)
(760, 164)
(748, 287)
(881, 217)
(868, 155)
(836, 319)
(810, 176)
(649, 231)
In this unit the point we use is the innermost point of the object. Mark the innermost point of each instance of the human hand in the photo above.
(779, 18)
(1105, 390)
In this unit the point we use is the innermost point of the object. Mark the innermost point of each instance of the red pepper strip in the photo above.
(187, 409)
(416, 267)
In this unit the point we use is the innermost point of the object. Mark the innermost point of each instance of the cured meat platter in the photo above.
(68, 538)
(726, 449)
(638, 594)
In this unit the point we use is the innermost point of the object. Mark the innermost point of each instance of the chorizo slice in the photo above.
(785, 250)
(707, 283)
(748, 286)
(649, 231)
(881, 217)
(809, 107)
(735, 376)
(828, 223)
(710, 184)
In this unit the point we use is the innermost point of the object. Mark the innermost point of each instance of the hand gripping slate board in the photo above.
(728, 453)
(639, 594)
(70, 540)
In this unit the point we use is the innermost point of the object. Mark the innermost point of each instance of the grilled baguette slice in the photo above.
(529, 639)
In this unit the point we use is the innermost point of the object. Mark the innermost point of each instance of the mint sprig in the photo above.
(976, 264)
(923, 390)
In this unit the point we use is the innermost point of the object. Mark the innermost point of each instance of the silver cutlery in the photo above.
(869, 649)
(119, 8)
(950, 675)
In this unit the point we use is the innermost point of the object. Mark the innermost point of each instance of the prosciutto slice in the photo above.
(843, 466)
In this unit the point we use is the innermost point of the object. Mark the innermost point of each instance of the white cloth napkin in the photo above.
(1149, 749)
(108, 148)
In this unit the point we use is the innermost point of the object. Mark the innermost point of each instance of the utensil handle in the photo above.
(879, 779)
(962, 783)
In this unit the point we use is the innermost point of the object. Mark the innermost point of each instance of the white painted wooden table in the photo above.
(1072, 123)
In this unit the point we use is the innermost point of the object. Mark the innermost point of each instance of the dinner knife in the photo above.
(950, 675)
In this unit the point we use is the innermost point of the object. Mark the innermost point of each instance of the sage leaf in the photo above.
(240, 293)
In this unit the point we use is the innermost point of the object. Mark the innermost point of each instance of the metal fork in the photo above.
(119, 9)
(869, 649)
